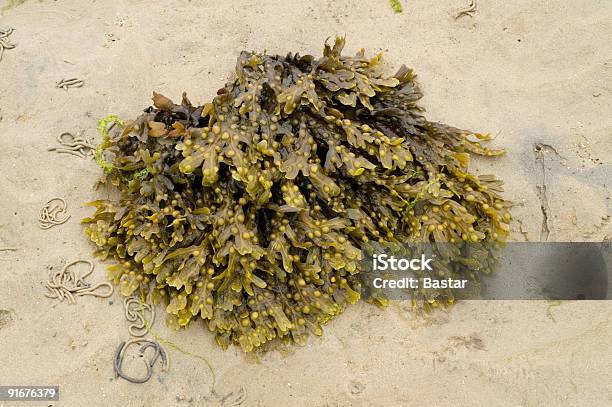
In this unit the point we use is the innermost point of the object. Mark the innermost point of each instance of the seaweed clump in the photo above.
(250, 211)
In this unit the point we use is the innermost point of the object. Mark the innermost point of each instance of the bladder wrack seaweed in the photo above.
(250, 211)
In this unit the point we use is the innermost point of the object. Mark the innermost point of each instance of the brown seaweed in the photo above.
(250, 211)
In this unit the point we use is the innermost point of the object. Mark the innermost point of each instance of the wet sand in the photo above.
(535, 74)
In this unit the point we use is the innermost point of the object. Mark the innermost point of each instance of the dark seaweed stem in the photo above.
(250, 211)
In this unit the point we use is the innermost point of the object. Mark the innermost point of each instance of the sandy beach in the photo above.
(536, 74)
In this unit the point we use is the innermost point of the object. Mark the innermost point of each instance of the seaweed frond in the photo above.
(396, 6)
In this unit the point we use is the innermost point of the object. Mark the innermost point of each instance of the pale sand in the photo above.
(530, 71)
